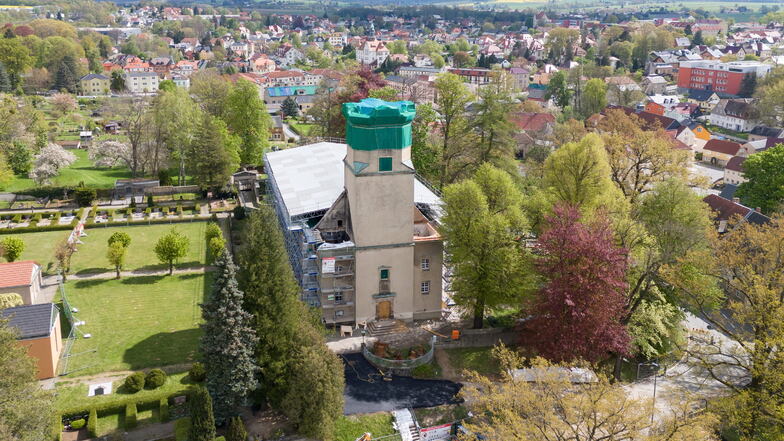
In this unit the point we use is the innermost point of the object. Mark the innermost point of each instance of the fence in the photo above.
(400, 364)
(69, 341)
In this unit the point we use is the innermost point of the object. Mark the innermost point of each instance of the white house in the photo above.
(734, 115)
(372, 52)
(733, 171)
(141, 82)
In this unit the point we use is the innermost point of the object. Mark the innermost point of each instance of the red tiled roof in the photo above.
(736, 164)
(13, 274)
(722, 146)
(533, 121)
(725, 207)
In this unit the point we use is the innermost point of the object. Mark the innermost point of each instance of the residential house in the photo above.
(38, 331)
(521, 76)
(728, 214)
(141, 82)
(734, 114)
(373, 52)
(95, 84)
(181, 81)
(162, 65)
(534, 129)
(23, 278)
(719, 152)
(654, 85)
(765, 132)
(733, 171)
(276, 131)
(706, 99)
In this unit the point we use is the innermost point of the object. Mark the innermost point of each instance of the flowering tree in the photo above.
(578, 312)
(48, 163)
(64, 103)
(109, 153)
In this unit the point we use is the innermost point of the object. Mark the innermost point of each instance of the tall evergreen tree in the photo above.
(5, 81)
(236, 430)
(228, 343)
(202, 421)
(65, 78)
(213, 155)
(289, 107)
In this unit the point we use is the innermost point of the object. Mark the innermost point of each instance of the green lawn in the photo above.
(82, 170)
(91, 255)
(349, 428)
(40, 247)
(480, 360)
(136, 322)
(301, 128)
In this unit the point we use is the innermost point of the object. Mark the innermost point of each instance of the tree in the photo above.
(769, 96)
(12, 248)
(386, 93)
(482, 225)
(452, 98)
(110, 153)
(638, 156)
(64, 103)
(315, 400)
(118, 81)
(289, 107)
(20, 158)
(246, 116)
(236, 430)
(740, 276)
(594, 97)
(25, 409)
(174, 117)
(5, 81)
(496, 130)
(62, 254)
(548, 406)
(49, 161)
(202, 426)
(697, 40)
(748, 85)
(214, 153)
(558, 91)
(66, 76)
(765, 174)
(211, 91)
(172, 247)
(578, 311)
(15, 58)
(560, 44)
(115, 254)
(9, 300)
(228, 343)
(6, 173)
(290, 343)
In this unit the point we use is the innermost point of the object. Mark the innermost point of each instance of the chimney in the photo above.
(758, 210)
(736, 200)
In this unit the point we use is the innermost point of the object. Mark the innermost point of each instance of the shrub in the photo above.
(150, 200)
(130, 415)
(217, 247)
(212, 230)
(78, 424)
(181, 428)
(148, 210)
(239, 212)
(9, 300)
(57, 216)
(84, 196)
(120, 236)
(134, 382)
(36, 217)
(163, 409)
(12, 248)
(197, 372)
(92, 424)
(17, 218)
(425, 371)
(236, 431)
(155, 379)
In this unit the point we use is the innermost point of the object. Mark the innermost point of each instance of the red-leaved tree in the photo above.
(577, 312)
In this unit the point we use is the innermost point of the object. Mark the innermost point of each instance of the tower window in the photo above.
(384, 274)
(385, 163)
(425, 264)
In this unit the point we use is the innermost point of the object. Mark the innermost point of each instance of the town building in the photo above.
(95, 84)
(373, 52)
(141, 82)
(360, 226)
(733, 171)
(724, 78)
(737, 115)
(38, 329)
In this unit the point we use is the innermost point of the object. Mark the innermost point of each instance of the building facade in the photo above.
(95, 84)
(142, 82)
(725, 78)
(361, 228)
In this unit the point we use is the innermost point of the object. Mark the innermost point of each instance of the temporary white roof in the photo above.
(310, 178)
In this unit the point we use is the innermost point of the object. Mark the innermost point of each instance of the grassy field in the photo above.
(82, 170)
(137, 322)
(40, 247)
(91, 255)
(300, 128)
(349, 428)
(480, 360)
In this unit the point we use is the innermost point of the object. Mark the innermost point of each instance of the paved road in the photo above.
(684, 377)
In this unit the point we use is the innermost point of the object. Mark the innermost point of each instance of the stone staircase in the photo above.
(413, 432)
(386, 327)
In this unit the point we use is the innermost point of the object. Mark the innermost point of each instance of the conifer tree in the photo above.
(228, 343)
(237, 430)
(202, 421)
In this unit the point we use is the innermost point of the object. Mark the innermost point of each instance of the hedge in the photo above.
(130, 415)
(91, 223)
(37, 229)
(92, 424)
(181, 428)
(117, 406)
(163, 410)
